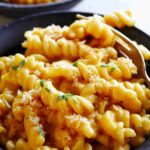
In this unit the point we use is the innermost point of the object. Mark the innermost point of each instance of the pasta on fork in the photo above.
(71, 90)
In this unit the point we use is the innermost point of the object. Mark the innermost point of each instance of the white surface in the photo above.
(140, 8)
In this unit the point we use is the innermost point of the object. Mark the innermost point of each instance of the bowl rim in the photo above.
(29, 6)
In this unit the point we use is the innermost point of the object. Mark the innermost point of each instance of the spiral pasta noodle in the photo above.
(114, 69)
(119, 19)
(63, 48)
(72, 90)
(5, 64)
(82, 28)
(145, 52)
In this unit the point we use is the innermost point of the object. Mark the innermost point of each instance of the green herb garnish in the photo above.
(47, 89)
(40, 131)
(64, 97)
(7, 104)
(21, 64)
(42, 83)
(75, 64)
(14, 67)
(113, 69)
(104, 65)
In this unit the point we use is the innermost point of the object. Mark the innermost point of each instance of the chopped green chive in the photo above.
(112, 69)
(14, 67)
(42, 83)
(40, 131)
(64, 96)
(104, 65)
(22, 63)
(75, 64)
(7, 104)
(47, 89)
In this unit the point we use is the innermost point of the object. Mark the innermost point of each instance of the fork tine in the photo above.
(132, 52)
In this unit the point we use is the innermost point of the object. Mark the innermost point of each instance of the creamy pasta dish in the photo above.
(71, 90)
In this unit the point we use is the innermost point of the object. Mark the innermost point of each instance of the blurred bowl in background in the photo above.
(19, 10)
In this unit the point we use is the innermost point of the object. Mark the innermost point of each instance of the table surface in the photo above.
(140, 8)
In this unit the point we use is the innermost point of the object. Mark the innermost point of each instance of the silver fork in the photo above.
(132, 51)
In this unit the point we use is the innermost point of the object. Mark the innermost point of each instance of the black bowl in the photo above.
(12, 35)
(19, 10)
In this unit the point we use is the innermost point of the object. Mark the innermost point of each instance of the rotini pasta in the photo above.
(72, 91)
(82, 28)
(119, 19)
(145, 52)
